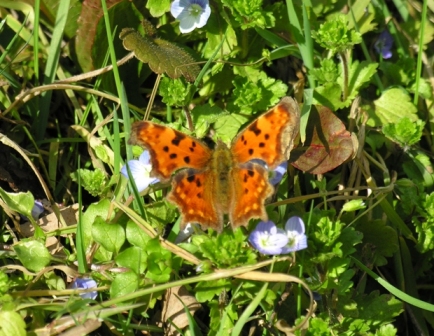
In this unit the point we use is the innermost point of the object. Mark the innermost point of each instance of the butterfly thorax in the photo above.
(221, 167)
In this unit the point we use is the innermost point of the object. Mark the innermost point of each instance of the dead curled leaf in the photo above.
(174, 310)
(328, 143)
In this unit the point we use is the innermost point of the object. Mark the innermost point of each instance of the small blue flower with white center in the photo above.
(190, 13)
(268, 239)
(85, 283)
(297, 240)
(140, 170)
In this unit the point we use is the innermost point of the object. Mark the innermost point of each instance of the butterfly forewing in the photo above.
(170, 150)
(270, 137)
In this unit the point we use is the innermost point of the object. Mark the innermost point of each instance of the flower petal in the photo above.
(268, 239)
(140, 173)
(296, 244)
(203, 19)
(176, 8)
(295, 224)
(85, 283)
(277, 174)
(187, 22)
(145, 158)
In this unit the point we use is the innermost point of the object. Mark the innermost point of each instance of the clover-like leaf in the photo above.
(328, 144)
(162, 56)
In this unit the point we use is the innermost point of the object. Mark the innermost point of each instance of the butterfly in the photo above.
(210, 183)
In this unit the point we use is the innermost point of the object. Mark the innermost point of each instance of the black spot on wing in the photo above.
(267, 136)
(166, 149)
(191, 178)
(254, 128)
(173, 155)
(198, 183)
(187, 159)
(261, 144)
(178, 138)
(251, 151)
(251, 173)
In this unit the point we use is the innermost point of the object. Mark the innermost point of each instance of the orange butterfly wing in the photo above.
(250, 190)
(193, 193)
(169, 149)
(271, 136)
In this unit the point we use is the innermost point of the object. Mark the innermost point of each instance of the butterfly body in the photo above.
(209, 184)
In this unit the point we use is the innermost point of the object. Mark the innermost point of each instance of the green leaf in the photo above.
(227, 126)
(250, 14)
(123, 284)
(174, 91)
(327, 73)
(216, 29)
(162, 56)
(32, 254)
(393, 105)
(160, 213)
(159, 262)
(382, 240)
(54, 281)
(386, 330)
(94, 181)
(328, 95)
(405, 132)
(360, 74)
(4, 283)
(12, 324)
(133, 258)
(110, 235)
(20, 202)
(158, 7)
(361, 14)
(228, 249)
(100, 209)
(204, 116)
(207, 290)
(257, 94)
(135, 235)
(424, 89)
(378, 309)
(335, 36)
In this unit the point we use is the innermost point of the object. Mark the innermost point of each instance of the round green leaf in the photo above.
(33, 255)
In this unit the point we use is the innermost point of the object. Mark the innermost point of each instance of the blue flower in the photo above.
(140, 170)
(276, 175)
(268, 239)
(297, 240)
(37, 209)
(85, 283)
(384, 44)
(190, 13)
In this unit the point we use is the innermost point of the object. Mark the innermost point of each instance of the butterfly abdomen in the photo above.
(221, 167)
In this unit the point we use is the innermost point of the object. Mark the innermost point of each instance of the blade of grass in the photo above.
(81, 254)
(420, 53)
(393, 290)
(51, 68)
